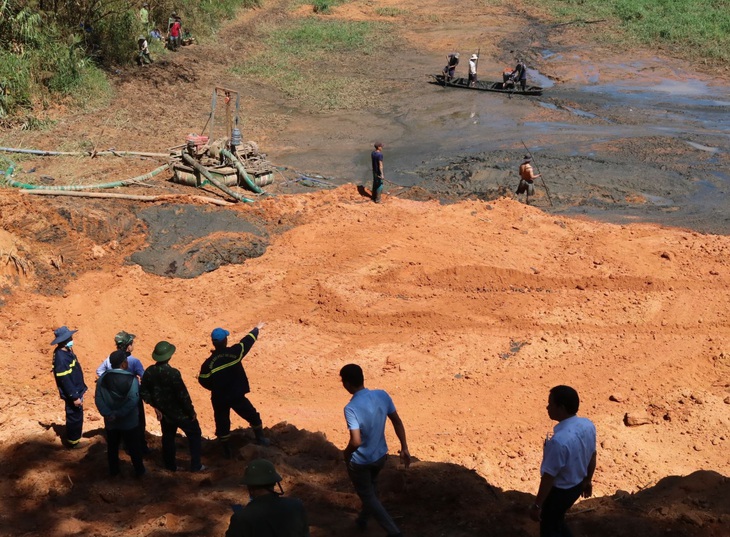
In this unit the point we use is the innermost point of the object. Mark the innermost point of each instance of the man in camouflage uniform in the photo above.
(268, 514)
(163, 389)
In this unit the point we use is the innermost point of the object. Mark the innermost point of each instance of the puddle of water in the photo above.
(536, 77)
(657, 200)
(703, 147)
(550, 55)
(580, 113)
(549, 106)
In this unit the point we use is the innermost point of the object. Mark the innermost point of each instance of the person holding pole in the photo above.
(473, 70)
(527, 179)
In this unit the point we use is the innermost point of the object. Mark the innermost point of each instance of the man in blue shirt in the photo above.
(124, 341)
(366, 453)
(377, 161)
(568, 463)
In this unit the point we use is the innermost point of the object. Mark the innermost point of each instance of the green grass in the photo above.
(692, 29)
(390, 11)
(295, 56)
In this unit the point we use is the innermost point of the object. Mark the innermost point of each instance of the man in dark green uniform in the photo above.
(163, 388)
(223, 374)
(268, 514)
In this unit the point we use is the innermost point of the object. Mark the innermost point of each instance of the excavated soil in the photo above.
(465, 304)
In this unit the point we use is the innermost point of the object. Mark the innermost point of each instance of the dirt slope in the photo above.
(467, 314)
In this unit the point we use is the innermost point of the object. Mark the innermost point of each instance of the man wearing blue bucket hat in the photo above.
(223, 374)
(70, 381)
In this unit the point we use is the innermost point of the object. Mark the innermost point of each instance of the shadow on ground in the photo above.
(50, 491)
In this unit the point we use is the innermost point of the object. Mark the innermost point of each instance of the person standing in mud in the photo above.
(70, 382)
(376, 158)
(568, 463)
(124, 341)
(527, 179)
(367, 452)
(223, 374)
(164, 390)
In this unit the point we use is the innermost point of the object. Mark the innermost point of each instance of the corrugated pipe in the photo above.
(195, 164)
(124, 182)
(239, 166)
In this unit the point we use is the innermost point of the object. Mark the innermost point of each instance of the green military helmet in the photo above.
(260, 473)
(124, 339)
(163, 351)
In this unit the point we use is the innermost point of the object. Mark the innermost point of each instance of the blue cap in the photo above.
(219, 334)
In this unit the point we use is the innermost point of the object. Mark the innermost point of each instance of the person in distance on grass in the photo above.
(70, 382)
(367, 452)
(223, 374)
(124, 341)
(527, 179)
(568, 463)
(267, 514)
(117, 398)
(163, 388)
(376, 158)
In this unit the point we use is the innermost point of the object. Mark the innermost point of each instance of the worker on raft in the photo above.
(450, 69)
(473, 61)
(520, 74)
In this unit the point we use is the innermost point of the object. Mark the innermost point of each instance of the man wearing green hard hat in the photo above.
(268, 514)
(163, 388)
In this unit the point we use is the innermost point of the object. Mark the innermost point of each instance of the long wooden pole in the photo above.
(136, 197)
(538, 171)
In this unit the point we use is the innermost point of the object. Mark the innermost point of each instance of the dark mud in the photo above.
(186, 241)
(617, 142)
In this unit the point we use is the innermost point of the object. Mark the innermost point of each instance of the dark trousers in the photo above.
(222, 406)
(377, 187)
(114, 437)
(191, 428)
(74, 422)
(364, 478)
(472, 79)
(523, 83)
(552, 521)
(142, 428)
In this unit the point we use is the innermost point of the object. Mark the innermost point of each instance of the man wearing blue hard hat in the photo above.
(223, 374)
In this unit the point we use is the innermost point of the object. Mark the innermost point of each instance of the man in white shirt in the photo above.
(366, 453)
(568, 463)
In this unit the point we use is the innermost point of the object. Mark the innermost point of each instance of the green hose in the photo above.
(124, 182)
(239, 166)
(195, 164)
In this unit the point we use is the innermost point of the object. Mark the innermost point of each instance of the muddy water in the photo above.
(635, 148)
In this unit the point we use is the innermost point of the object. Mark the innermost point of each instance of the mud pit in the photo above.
(187, 241)
(466, 312)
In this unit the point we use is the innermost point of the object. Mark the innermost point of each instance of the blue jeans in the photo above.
(364, 477)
